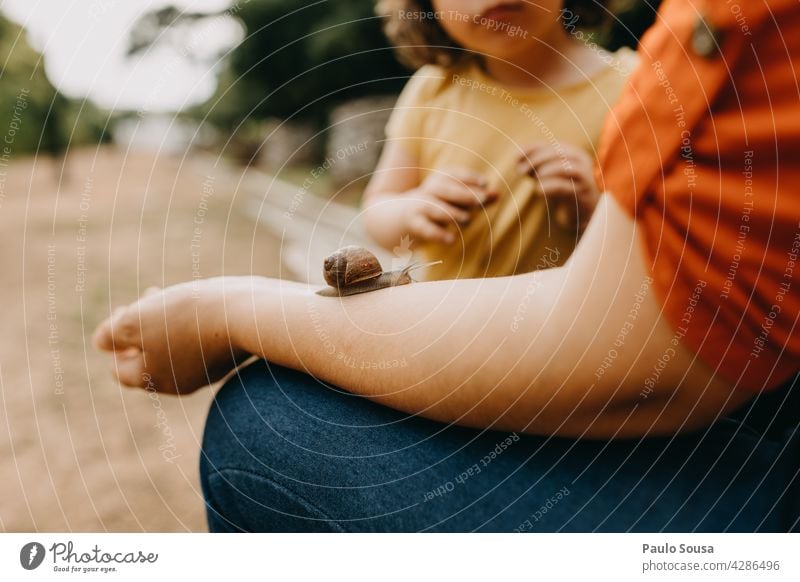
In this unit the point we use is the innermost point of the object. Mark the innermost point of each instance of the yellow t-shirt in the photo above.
(463, 118)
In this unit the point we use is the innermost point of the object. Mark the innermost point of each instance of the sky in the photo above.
(84, 44)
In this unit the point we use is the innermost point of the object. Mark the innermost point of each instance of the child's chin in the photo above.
(503, 50)
(500, 45)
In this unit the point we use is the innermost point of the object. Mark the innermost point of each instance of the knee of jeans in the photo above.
(217, 439)
(232, 414)
(238, 500)
(242, 491)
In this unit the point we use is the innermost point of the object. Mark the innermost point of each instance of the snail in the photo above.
(352, 270)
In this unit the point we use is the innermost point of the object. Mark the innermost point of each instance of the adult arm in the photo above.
(573, 351)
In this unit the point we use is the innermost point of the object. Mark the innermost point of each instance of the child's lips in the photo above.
(502, 11)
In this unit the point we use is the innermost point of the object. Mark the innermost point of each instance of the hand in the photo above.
(175, 340)
(566, 176)
(446, 197)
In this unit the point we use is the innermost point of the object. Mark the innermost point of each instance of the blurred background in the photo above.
(151, 142)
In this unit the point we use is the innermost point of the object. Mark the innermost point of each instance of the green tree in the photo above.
(298, 58)
(34, 116)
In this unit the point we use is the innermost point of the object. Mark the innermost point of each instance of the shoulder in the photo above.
(617, 68)
(427, 83)
(421, 91)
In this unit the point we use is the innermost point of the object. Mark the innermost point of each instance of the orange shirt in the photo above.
(704, 150)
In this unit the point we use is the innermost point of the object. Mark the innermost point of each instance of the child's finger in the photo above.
(444, 213)
(459, 213)
(533, 147)
(559, 149)
(424, 228)
(560, 167)
(533, 159)
(466, 176)
(464, 196)
(532, 150)
(557, 187)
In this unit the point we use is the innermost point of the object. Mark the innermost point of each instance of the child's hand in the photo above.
(566, 176)
(445, 197)
(173, 341)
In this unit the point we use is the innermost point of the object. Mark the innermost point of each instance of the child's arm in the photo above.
(524, 353)
(398, 203)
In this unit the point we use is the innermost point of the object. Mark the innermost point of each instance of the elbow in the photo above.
(607, 412)
(680, 410)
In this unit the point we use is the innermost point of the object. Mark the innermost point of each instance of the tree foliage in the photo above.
(300, 57)
(34, 116)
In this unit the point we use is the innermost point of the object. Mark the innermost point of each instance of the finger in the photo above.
(118, 332)
(101, 338)
(464, 196)
(152, 290)
(129, 370)
(532, 150)
(565, 150)
(444, 213)
(558, 187)
(466, 176)
(424, 228)
(533, 160)
(562, 167)
(491, 197)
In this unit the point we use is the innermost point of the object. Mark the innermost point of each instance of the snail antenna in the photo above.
(418, 265)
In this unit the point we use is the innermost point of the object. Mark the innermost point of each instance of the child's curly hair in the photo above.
(423, 41)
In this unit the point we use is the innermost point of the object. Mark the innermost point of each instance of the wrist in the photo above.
(386, 217)
(263, 312)
(410, 206)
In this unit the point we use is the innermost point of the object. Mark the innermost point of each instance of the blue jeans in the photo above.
(283, 452)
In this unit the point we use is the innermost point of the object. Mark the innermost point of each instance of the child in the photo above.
(488, 163)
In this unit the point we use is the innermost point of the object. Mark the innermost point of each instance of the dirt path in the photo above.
(77, 453)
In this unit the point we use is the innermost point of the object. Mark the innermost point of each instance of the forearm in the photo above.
(521, 353)
(433, 349)
(382, 218)
(554, 352)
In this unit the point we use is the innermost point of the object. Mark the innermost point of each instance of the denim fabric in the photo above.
(284, 452)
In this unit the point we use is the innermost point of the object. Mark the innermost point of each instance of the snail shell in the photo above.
(350, 265)
(352, 270)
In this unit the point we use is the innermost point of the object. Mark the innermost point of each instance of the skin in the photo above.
(518, 353)
(398, 202)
